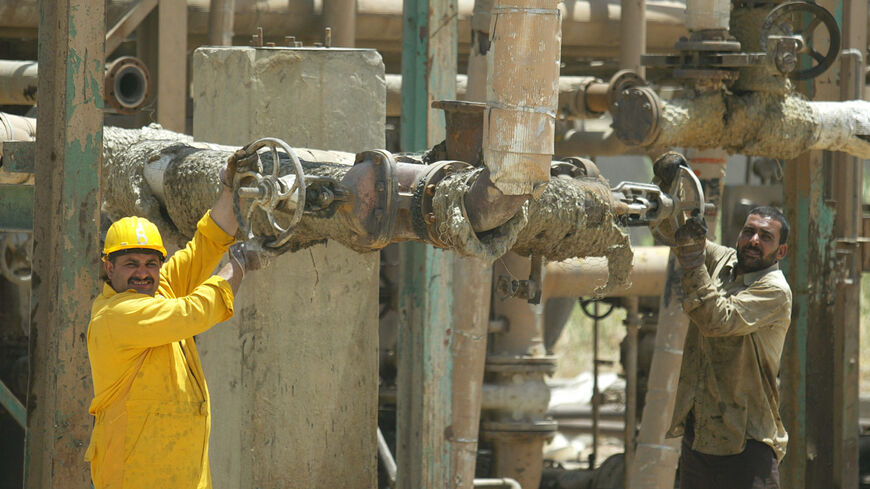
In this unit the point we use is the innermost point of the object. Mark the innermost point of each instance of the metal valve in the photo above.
(662, 209)
(258, 186)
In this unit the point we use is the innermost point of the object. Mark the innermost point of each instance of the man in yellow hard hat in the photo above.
(151, 402)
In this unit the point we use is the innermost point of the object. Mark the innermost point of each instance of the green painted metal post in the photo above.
(66, 236)
(426, 327)
(820, 361)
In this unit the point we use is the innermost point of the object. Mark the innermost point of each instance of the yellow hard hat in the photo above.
(133, 233)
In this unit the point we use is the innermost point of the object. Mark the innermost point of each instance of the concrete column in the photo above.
(294, 375)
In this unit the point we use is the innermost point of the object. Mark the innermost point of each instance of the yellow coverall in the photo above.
(150, 398)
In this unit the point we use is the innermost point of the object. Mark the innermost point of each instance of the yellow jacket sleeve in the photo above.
(139, 321)
(188, 267)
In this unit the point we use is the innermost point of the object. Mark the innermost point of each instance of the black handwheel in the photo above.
(802, 18)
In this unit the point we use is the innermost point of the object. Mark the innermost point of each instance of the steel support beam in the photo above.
(66, 235)
(12, 405)
(425, 376)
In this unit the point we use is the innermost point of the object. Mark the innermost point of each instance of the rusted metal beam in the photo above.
(66, 235)
(127, 24)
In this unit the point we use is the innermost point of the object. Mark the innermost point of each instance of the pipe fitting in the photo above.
(127, 84)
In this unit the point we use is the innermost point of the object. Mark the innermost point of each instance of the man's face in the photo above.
(137, 271)
(758, 244)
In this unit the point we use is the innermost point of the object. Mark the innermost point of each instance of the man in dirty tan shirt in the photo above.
(739, 304)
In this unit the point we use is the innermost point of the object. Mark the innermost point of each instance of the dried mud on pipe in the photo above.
(191, 184)
(757, 124)
(571, 219)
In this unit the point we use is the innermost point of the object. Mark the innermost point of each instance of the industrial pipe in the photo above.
(580, 277)
(505, 482)
(221, 14)
(580, 97)
(590, 27)
(757, 124)
(126, 85)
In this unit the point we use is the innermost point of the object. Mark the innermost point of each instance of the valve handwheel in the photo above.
(687, 196)
(802, 18)
(268, 192)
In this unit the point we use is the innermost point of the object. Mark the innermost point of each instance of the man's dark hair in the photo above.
(776, 215)
(114, 255)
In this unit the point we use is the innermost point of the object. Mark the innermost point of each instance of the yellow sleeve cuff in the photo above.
(210, 229)
(225, 291)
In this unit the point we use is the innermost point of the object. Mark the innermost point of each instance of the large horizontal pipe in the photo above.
(754, 123)
(578, 278)
(574, 98)
(126, 84)
(589, 27)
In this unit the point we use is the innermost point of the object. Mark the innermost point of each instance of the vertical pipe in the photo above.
(472, 282)
(522, 94)
(220, 22)
(632, 35)
(656, 457)
(172, 65)
(66, 241)
(632, 324)
(340, 16)
(596, 398)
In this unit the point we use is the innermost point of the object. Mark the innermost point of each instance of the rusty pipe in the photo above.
(126, 84)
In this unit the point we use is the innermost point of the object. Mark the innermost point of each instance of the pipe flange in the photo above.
(381, 201)
(520, 365)
(422, 211)
(636, 116)
(620, 81)
(127, 84)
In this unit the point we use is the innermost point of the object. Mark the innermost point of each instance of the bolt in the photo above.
(376, 160)
(429, 218)
(327, 37)
(646, 106)
(289, 40)
(270, 44)
(430, 189)
(379, 185)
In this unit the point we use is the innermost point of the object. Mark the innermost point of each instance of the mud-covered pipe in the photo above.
(573, 218)
(757, 124)
(127, 83)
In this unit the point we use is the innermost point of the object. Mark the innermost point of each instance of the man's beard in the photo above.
(749, 264)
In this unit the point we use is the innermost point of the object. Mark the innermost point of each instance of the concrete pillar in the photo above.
(294, 375)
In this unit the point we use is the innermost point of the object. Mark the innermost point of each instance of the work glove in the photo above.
(666, 168)
(249, 255)
(228, 172)
(691, 239)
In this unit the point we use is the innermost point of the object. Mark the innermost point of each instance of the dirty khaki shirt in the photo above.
(731, 355)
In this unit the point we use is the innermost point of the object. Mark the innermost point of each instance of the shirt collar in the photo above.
(751, 277)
